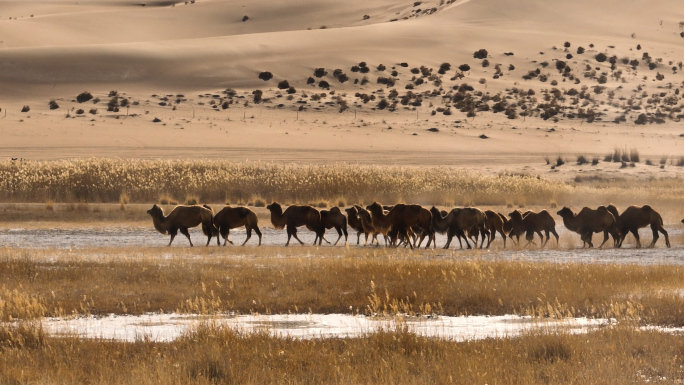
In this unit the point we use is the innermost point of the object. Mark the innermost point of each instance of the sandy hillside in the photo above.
(183, 79)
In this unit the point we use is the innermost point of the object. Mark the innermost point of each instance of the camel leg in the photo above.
(484, 232)
(450, 236)
(466, 241)
(184, 231)
(588, 236)
(339, 235)
(358, 238)
(346, 235)
(173, 233)
(227, 238)
(249, 235)
(636, 235)
(605, 238)
(543, 242)
(503, 235)
(555, 234)
(492, 237)
(667, 237)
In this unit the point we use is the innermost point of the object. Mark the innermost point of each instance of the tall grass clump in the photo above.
(104, 180)
(149, 181)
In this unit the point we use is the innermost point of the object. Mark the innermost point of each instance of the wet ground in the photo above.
(167, 327)
(137, 236)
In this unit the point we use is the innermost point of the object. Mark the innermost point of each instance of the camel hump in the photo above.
(206, 206)
(602, 208)
(647, 208)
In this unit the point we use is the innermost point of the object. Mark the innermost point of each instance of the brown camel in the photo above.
(530, 223)
(495, 222)
(367, 222)
(234, 217)
(589, 221)
(634, 218)
(457, 222)
(297, 216)
(181, 218)
(402, 217)
(354, 222)
(334, 218)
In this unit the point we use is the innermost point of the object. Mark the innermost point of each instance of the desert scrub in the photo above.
(104, 180)
(276, 280)
(210, 353)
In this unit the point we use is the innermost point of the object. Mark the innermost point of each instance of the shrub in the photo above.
(283, 85)
(382, 104)
(291, 90)
(259, 203)
(464, 67)
(381, 67)
(566, 44)
(580, 50)
(481, 54)
(84, 97)
(581, 160)
(257, 95)
(80, 112)
(324, 84)
(485, 63)
(245, 18)
(93, 111)
(265, 76)
(53, 105)
(25, 109)
(320, 72)
(601, 57)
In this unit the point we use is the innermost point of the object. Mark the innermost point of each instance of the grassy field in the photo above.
(211, 354)
(149, 181)
(275, 280)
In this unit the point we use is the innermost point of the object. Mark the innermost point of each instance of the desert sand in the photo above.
(188, 72)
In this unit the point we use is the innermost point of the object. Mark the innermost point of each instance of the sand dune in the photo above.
(167, 49)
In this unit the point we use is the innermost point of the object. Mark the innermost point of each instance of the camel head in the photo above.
(352, 211)
(375, 207)
(156, 211)
(435, 211)
(565, 212)
(275, 208)
(516, 214)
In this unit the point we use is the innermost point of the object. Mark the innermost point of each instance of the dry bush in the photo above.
(103, 180)
(213, 354)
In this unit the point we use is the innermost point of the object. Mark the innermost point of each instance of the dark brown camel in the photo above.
(589, 221)
(531, 223)
(181, 218)
(402, 217)
(354, 222)
(233, 217)
(495, 222)
(457, 222)
(368, 228)
(634, 218)
(334, 218)
(297, 216)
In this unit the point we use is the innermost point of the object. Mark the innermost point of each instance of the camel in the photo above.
(402, 217)
(589, 221)
(366, 220)
(233, 217)
(495, 222)
(530, 223)
(634, 218)
(181, 218)
(297, 216)
(457, 222)
(354, 222)
(334, 218)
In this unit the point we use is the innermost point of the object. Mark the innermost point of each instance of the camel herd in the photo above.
(410, 224)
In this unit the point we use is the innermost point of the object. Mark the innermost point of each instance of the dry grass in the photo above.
(106, 180)
(211, 354)
(279, 280)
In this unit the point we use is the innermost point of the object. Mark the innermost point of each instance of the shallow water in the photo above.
(82, 238)
(167, 327)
